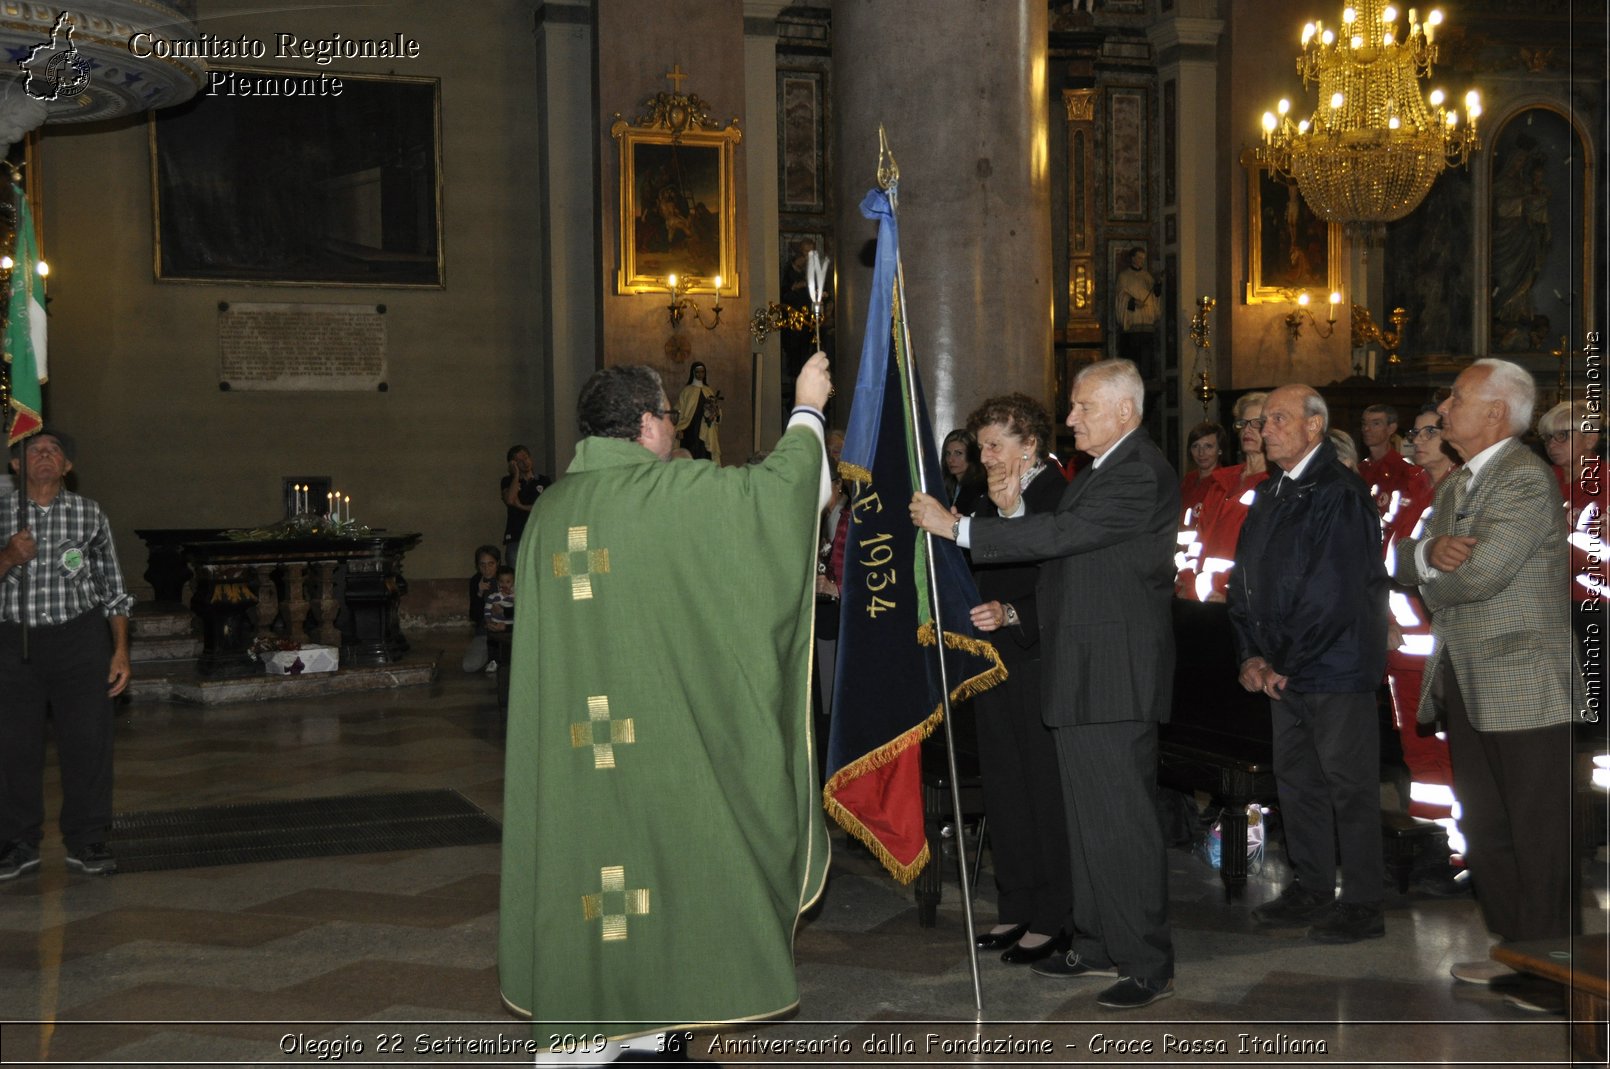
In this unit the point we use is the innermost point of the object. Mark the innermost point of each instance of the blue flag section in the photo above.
(887, 691)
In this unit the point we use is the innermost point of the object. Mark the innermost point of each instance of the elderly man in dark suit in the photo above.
(1308, 603)
(1503, 671)
(1104, 591)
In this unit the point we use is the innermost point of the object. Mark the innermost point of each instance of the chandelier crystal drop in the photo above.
(1374, 143)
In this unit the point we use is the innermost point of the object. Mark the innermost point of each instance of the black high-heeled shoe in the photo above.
(1007, 938)
(1021, 955)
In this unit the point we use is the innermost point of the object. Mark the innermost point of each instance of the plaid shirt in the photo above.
(75, 569)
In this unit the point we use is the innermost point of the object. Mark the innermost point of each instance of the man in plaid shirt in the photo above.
(59, 567)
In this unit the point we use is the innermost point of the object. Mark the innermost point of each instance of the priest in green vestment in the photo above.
(663, 827)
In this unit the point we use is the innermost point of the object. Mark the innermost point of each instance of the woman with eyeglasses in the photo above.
(1409, 636)
(1208, 554)
(1577, 453)
(1574, 438)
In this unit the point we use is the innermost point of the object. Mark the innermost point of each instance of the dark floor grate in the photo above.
(307, 827)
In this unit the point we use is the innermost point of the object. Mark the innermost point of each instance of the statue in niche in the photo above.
(1135, 309)
(1520, 246)
(698, 420)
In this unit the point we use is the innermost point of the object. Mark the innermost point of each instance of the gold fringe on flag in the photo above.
(892, 749)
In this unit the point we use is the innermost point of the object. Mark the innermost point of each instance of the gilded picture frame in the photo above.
(301, 190)
(678, 199)
(1289, 248)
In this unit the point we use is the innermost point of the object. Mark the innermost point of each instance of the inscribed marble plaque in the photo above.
(303, 347)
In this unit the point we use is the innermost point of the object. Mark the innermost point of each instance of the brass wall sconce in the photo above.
(1294, 320)
(1562, 354)
(779, 317)
(681, 303)
(792, 317)
(1365, 330)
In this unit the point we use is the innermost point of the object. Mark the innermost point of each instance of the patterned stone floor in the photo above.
(303, 962)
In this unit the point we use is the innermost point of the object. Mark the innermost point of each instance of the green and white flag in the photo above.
(25, 328)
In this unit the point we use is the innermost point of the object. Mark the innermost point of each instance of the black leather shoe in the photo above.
(1296, 907)
(92, 860)
(1348, 922)
(1022, 955)
(1070, 966)
(1131, 993)
(1003, 940)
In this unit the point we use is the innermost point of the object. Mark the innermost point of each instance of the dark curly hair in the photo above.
(1021, 414)
(614, 399)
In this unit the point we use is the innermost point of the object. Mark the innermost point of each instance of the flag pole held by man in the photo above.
(662, 827)
(889, 690)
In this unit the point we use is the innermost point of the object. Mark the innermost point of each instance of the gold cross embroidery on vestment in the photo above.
(614, 903)
(579, 564)
(615, 732)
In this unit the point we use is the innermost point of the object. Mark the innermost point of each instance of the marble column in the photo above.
(1187, 54)
(960, 87)
(760, 142)
(569, 183)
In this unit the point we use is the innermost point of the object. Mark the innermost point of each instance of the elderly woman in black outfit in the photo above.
(1017, 761)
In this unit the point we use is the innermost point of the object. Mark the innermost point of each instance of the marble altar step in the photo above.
(156, 681)
(161, 631)
(151, 619)
(143, 650)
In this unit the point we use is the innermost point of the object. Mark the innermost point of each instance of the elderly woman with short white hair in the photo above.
(1573, 434)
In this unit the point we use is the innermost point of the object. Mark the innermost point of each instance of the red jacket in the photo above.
(1205, 559)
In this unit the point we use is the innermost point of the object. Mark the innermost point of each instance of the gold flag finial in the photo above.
(888, 170)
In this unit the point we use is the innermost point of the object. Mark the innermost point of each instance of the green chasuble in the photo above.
(662, 825)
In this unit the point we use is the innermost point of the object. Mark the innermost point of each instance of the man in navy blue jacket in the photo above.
(1308, 601)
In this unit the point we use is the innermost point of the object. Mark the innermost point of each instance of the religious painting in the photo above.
(800, 141)
(1289, 248)
(1539, 263)
(296, 189)
(1126, 144)
(678, 206)
(1430, 268)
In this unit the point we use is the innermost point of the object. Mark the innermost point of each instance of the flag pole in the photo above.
(22, 465)
(889, 181)
(26, 573)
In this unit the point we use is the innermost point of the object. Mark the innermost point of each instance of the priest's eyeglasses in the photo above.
(1431, 430)
(1255, 423)
(673, 414)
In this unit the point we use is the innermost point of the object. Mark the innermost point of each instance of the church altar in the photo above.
(338, 590)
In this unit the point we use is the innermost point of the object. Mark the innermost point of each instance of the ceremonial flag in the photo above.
(887, 696)
(25, 328)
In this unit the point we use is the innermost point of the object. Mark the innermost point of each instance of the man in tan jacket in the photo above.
(1503, 672)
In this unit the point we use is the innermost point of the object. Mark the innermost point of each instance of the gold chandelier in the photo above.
(1374, 144)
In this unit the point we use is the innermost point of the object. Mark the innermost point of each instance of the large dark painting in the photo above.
(302, 190)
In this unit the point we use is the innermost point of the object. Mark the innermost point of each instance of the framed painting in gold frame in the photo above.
(678, 201)
(1289, 248)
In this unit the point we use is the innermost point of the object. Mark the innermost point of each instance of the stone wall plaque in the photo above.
(303, 347)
